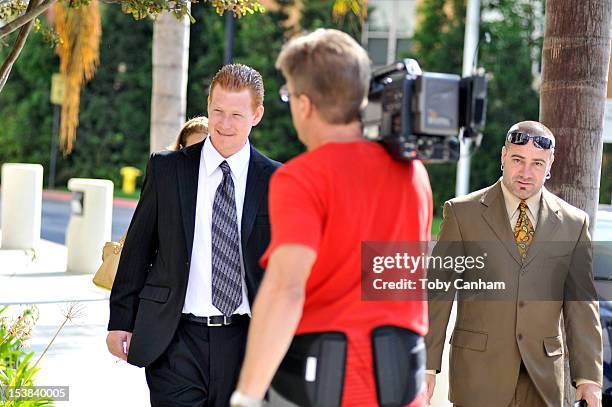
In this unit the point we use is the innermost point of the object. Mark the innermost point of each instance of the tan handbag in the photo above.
(105, 276)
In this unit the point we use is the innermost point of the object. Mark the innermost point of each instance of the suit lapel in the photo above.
(496, 217)
(548, 222)
(252, 197)
(188, 169)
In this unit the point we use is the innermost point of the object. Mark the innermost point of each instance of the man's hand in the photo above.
(430, 382)
(589, 392)
(118, 343)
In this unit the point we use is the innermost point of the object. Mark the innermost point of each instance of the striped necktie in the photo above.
(226, 272)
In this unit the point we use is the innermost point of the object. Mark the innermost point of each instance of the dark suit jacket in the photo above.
(497, 330)
(149, 290)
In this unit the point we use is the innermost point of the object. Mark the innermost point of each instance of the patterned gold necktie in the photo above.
(523, 231)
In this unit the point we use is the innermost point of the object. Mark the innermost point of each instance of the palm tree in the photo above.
(575, 62)
(170, 61)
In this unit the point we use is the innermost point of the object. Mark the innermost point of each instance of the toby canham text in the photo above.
(425, 284)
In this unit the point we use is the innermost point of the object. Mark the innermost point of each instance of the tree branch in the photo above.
(29, 15)
(5, 70)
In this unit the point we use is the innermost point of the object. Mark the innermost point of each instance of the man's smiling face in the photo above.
(231, 115)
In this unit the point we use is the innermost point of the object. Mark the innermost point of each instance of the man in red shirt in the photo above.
(323, 205)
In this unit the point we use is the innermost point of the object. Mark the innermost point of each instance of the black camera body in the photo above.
(423, 115)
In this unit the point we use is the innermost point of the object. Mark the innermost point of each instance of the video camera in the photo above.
(424, 115)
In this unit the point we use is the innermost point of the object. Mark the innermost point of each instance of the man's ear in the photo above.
(305, 106)
(208, 106)
(259, 112)
(552, 160)
(504, 153)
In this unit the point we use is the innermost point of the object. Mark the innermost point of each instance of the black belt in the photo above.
(216, 320)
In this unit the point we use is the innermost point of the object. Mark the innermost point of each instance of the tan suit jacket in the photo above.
(496, 330)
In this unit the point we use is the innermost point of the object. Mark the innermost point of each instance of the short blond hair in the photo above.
(198, 124)
(332, 69)
(237, 77)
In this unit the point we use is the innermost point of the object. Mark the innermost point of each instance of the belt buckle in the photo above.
(219, 324)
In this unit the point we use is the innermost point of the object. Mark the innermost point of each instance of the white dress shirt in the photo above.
(198, 300)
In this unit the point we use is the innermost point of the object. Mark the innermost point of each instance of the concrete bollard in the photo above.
(90, 223)
(21, 205)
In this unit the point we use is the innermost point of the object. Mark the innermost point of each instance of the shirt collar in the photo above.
(237, 162)
(513, 201)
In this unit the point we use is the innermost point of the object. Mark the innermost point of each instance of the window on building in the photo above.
(388, 30)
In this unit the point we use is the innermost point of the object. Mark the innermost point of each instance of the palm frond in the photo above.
(79, 31)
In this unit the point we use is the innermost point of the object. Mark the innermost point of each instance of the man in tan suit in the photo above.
(507, 346)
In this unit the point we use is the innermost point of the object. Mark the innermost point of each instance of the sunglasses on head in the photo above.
(519, 138)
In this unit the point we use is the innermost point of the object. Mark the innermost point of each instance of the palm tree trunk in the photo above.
(169, 94)
(575, 62)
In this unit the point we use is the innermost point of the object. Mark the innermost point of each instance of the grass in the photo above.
(435, 225)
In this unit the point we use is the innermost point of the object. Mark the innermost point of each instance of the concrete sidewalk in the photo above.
(78, 358)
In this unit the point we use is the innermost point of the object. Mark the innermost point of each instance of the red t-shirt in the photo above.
(331, 199)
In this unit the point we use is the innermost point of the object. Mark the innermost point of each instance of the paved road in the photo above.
(603, 227)
(56, 214)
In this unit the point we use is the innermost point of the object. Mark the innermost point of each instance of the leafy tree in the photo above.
(77, 38)
(115, 105)
(274, 135)
(26, 117)
(257, 43)
(438, 45)
(20, 15)
(278, 137)
(508, 60)
(320, 14)
(605, 194)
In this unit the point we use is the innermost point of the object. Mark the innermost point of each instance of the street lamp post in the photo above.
(470, 43)
(57, 98)
(230, 29)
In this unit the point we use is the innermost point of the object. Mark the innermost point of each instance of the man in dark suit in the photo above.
(188, 274)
